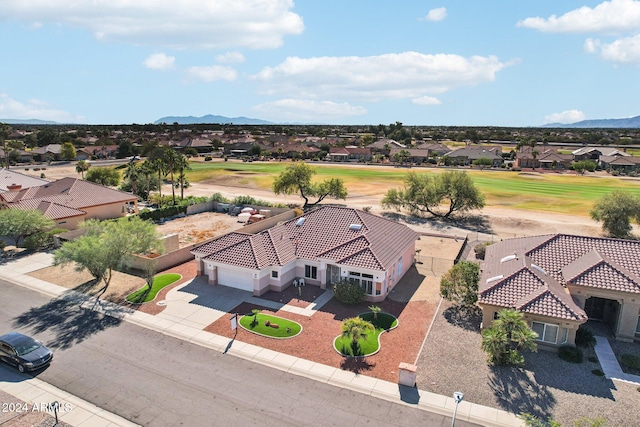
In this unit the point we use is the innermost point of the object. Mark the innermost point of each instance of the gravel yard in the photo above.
(546, 386)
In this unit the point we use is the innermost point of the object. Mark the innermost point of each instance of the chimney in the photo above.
(14, 187)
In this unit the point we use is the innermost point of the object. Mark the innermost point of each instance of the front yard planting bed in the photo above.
(370, 345)
(270, 326)
(161, 281)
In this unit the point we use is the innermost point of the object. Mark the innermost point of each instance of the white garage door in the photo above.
(235, 279)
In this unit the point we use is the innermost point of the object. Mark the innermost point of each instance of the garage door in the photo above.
(235, 279)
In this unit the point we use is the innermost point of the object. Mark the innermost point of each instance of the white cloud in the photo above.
(159, 61)
(402, 75)
(613, 16)
(211, 73)
(307, 110)
(569, 116)
(34, 109)
(437, 14)
(219, 24)
(621, 51)
(230, 58)
(426, 100)
(591, 45)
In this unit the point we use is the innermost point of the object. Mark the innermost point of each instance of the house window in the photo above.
(564, 334)
(495, 315)
(638, 327)
(364, 280)
(310, 272)
(274, 274)
(546, 332)
(399, 266)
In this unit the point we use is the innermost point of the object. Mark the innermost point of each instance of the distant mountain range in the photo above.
(631, 122)
(28, 122)
(209, 118)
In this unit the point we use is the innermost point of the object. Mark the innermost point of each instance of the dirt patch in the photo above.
(121, 284)
(197, 228)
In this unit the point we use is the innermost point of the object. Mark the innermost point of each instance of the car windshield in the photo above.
(26, 346)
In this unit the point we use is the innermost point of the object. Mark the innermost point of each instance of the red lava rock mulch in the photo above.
(315, 343)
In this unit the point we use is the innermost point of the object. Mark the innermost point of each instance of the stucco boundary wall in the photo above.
(201, 207)
(182, 255)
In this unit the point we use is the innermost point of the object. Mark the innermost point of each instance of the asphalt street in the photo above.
(156, 380)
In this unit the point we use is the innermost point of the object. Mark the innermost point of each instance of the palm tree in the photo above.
(147, 168)
(375, 310)
(182, 164)
(81, 167)
(356, 328)
(159, 166)
(512, 331)
(131, 173)
(170, 159)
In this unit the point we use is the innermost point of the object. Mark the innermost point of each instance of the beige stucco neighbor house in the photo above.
(69, 201)
(559, 281)
(321, 247)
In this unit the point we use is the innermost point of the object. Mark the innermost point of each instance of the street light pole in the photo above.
(457, 397)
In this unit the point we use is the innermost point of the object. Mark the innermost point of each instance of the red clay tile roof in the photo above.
(531, 273)
(71, 192)
(49, 209)
(340, 235)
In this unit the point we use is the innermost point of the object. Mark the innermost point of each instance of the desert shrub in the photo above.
(571, 354)
(481, 249)
(217, 197)
(631, 360)
(533, 421)
(42, 175)
(41, 240)
(348, 293)
(208, 158)
(585, 338)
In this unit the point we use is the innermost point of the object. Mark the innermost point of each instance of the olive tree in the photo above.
(615, 211)
(439, 195)
(297, 179)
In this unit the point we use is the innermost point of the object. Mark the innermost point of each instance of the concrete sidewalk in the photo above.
(72, 410)
(175, 326)
(609, 363)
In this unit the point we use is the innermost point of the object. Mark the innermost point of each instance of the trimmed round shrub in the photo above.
(571, 354)
(348, 293)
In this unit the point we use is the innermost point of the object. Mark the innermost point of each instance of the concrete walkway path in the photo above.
(185, 321)
(609, 363)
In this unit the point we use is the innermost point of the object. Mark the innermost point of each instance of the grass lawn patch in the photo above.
(161, 281)
(383, 322)
(548, 192)
(270, 326)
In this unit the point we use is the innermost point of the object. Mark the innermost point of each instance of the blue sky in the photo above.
(502, 63)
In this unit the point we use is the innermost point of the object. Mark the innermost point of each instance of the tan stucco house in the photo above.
(321, 247)
(559, 281)
(69, 201)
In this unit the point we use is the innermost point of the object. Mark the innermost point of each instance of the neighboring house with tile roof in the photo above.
(349, 154)
(466, 156)
(17, 180)
(559, 281)
(324, 246)
(621, 164)
(594, 153)
(69, 201)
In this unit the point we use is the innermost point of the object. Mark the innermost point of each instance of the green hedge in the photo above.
(165, 212)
